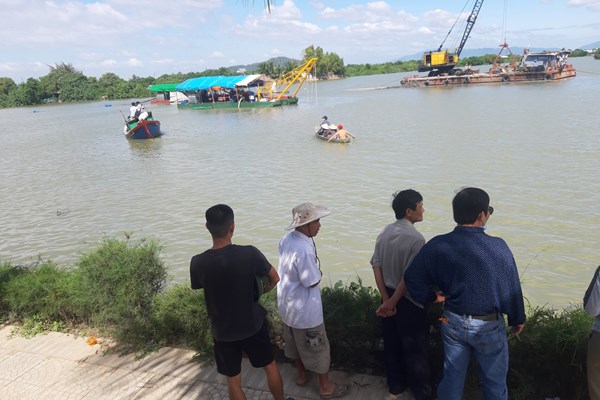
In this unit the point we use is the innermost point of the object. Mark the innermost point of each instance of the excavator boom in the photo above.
(441, 60)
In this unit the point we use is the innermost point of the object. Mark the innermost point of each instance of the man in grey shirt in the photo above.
(404, 323)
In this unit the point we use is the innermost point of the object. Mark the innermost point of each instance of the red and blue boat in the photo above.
(148, 128)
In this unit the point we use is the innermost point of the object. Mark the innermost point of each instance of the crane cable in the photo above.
(453, 25)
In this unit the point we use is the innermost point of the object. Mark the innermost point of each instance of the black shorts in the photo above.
(228, 355)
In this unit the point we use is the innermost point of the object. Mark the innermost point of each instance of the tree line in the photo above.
(64, 83)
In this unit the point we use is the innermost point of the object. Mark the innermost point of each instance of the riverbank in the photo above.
(58, 365)
(118, 291)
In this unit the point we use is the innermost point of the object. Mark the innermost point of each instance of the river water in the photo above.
(70, 178)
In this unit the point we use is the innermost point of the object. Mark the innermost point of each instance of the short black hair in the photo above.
(468, 204)
(405, 199)
(218, 220)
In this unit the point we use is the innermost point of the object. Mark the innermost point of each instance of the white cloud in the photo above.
(217, 54)
(134, 62)
(108, 63)
(591, 4)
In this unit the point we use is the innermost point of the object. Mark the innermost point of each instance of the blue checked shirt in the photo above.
(476, 272)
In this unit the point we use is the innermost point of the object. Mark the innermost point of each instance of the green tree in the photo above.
(329, 64)
(77, 87)
(269, 68)
(7, 85)
(109, 86)
(26, 94)
(578, 53)
(597, 54)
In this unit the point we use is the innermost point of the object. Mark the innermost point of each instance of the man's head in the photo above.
(133, 103)
(306, 218)
(408, 204)
(469, 204)
(219, 220)
(340, 126)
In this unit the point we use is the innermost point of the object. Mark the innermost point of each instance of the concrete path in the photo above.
(61, 366)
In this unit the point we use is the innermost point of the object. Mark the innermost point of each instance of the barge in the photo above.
(534, 66)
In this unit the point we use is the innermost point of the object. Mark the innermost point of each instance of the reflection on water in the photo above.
(533, 147)
(146, 148)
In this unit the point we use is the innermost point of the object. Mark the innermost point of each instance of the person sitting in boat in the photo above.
(341, 134)
(325, 128)
(144, 115)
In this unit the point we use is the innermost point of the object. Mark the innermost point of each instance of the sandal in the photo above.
(340, 390)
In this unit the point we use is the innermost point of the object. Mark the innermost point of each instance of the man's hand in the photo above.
(515, 330)
(385, 310)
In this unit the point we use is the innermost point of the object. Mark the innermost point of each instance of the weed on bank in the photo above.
(120, 291)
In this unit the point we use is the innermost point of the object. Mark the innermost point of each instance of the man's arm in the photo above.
(273, 278)
(388, 308)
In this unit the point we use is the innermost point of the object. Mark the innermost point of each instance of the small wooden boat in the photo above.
(148, 128)
(327, 134)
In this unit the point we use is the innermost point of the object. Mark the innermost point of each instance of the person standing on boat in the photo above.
(404, 324)
(227, 273)
(341, 134)
(132, 110)
(299, 301)
(478, 276)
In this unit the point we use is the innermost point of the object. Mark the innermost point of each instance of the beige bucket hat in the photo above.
(305, 213)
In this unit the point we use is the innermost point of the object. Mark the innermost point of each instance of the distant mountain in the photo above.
(590, 46)
(253, 67)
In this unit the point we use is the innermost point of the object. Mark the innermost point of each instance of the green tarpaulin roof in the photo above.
(163, 87)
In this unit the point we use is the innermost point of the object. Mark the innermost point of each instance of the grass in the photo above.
(119, 290)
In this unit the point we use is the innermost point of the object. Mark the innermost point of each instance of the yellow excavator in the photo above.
(297, 75)
(442, 61)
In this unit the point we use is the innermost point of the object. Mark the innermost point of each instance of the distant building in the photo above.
(241, 71)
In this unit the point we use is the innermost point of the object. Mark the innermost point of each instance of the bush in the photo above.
(353, 329)
(180, 319)
(116, 287)
(44, 291)
(548, 358)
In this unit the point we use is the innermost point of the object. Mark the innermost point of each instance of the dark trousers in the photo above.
(405, 340)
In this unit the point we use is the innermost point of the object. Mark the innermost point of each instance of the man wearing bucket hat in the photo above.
(227, 273)
(299, 300)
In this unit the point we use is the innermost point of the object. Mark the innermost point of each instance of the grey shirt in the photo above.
(395, 248)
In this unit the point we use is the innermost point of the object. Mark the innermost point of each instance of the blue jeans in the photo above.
(464, 336)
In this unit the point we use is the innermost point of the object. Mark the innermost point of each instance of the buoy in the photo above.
(548, 77)
(108, 105)
(467, 79)
(505, 78)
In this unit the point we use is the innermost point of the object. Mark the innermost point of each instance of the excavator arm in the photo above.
(441, 61)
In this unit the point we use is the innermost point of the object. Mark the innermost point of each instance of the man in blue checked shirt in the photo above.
(478, 275)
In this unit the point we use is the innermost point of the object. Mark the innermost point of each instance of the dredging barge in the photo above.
(534, 66)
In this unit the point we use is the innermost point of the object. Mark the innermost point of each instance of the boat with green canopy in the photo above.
(166, 93)
(243, 91)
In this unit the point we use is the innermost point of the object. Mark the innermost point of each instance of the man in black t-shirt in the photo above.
(227, 273)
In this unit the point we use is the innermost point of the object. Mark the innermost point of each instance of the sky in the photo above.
(152, 38)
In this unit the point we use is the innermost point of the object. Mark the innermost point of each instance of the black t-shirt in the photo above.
(228, 277)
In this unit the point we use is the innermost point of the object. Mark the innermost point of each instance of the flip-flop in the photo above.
(340, 390)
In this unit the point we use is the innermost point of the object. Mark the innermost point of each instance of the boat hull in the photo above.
(507, 77)
(226, 105)
(336, 140)
(147, 129)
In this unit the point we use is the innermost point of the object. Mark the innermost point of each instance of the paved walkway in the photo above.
(61, 366)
